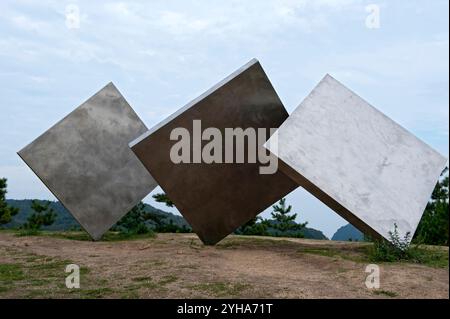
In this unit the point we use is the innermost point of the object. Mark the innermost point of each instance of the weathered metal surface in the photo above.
(217, 198)
(357, 161)
(86, 163)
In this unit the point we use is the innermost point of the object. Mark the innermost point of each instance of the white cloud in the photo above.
(179, 23)
(135, 29)
(38, 79)
(26, 23)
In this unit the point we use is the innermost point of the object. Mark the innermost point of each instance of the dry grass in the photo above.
(180, 266)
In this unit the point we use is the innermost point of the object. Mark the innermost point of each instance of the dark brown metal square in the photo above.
(217, 198)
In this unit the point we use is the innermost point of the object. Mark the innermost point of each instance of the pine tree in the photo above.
(133, 221)
(6, 212)
(433, 227)
(43, 215)
(255, 226)
(162, 198)
(283, 220)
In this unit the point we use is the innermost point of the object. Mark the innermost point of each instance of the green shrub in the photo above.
(400, 249)
(396, 249)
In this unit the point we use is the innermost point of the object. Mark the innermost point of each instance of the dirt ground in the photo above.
(179, 266)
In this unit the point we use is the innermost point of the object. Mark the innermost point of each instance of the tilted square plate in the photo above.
(86, 163)
(357, 161)
(217, 198)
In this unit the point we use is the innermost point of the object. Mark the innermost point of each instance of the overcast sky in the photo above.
(162, 54)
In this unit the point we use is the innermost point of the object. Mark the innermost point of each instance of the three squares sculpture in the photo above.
(101, 160)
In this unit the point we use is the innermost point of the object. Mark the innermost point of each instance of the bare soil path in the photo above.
(179, 266)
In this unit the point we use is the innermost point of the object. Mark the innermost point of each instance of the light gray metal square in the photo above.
(357, 161)
(86, 163)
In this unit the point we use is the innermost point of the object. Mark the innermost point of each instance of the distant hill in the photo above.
(65, 221)
(308, 233)
(348, 232)
(312, 233)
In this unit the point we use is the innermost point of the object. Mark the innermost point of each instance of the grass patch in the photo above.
(188, 266)
(428, 256)
(147, 282)
(96, 293)
(83, 236)
(150, 285)
(50, 264)
(221, 289)
(34, 276)
(31, 259)
(154, 263)
(341, 270)
(167, 280)
(27, 232)
(10, 273)
(388, 293)
(39, 282)
(242, 241)
(108, 236)
(327, 252)
(39, 293)
(399, 249)
(3, 289)
(130, 295)
(79, 236)
(140, 279)
(142, 282)
(355, 253)
(435, 257)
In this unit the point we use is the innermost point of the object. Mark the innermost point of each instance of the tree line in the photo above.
(433, 228)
